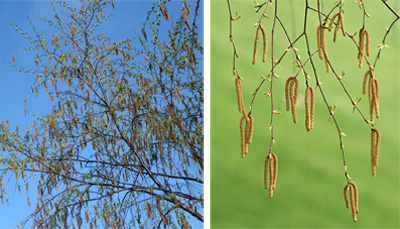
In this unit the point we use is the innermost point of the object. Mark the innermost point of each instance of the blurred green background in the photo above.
(309, 191)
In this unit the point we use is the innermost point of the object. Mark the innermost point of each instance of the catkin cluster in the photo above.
(352, 188)
(264, 33)
(373, 93)
(322, 52)
(310, 107)
(291, 92)
(270, 172)
(363, 42)
(246, 132)
(375, 142)
(339, 22)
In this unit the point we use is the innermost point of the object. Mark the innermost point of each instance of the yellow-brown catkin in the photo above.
(265, 44)
(375, 91)
(346, 198)
(256, 45)
(342, 23)
(367, 42)
(361, 45)
(336, 29)
(251, 125)
(271, 178)
(287, 94)
(375, 143)
(293, 97)
(319, 38)
(266, 167)
(373, 153)
(247, 130)
(371, 99)
(332, 20)
(378, 142)
(239, 94)
(243, 136)
(353, 203)
(323, 43)
(365, 81)
(310, 106)
(355, 194)
(275, 169)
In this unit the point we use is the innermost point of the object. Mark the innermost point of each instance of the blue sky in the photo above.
(15, 86)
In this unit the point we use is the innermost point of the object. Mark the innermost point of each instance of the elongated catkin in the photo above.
(293, 96)
(332, 20)
(310, 106)
(287, 94)
(371, 98)
(239, 94)
(353, 203)
(366, 75)
(373, 153)
(265, 44)
(367, 42)
(342, 23)
(275, 169)
(251, 125)
(355, 194)
(266, 168)
(375, 91)
(336, 28)
(243, 136)
(346, 197)
(375, 143)
(256, 45)
(361, 45)
(319, 41)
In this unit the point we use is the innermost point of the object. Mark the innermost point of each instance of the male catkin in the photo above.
(310, 106)
(293, 97)
(239, 94)
(265, 44)
(256, 45)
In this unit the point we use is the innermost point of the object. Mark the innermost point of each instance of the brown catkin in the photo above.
(365, 81)
(310, 106)
(265, 44)
(355, 194)
(320, 54)
(367, 42)
(375, 90)
(371, 99)
(243, 136)
(323, 43)
(271, 177)
(361, 45)
(336, 29)
(247, 130)
(342, 23)
(251, 124)
(373, 153)
(287, 95)
(275, 169)
(266, 167)
(353, 203)
(239, 94)
(256, 45)
(378, 142)
(332, 20)
(293, 97)
(346, 198)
